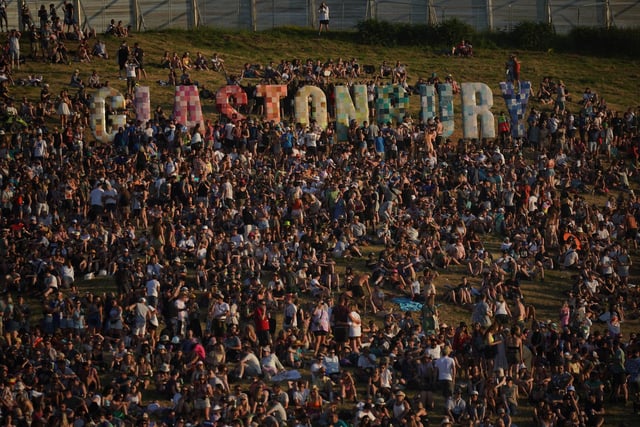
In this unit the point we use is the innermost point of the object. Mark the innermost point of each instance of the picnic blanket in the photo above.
(407, 304)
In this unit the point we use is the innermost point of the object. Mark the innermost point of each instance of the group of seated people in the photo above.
(118, 29)
(319, 71)
(464, 48)
(548, 90)
(187, 63)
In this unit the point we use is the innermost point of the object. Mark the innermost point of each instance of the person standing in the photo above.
(3, 16)
(320, 326)
(323, 15)
(14, 48)
(446, 368)
(123, 57)
(561, 97)
(355, 328)
(142, 313)
(138, 55)
(261, 319)
(219, 312)
(132, 74)
(290, 313)
(340, 322)
(153, 290)
(69, 16)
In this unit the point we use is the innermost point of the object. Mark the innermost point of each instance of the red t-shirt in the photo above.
(262, 321)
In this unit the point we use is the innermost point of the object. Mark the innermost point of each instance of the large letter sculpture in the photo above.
(104, 128)
(142, 104)
(516, 105)
(392, 103)
(445, 106)
(186, 106)
(223, 96)
(318, 106)
(348, 108)
(477, 100)
(272, 95)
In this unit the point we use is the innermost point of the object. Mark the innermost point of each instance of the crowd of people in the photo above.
(230, 308)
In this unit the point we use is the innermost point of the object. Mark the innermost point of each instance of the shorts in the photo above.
(264, 338)
(340, 334)
(324, 22)
(97, 209)
(447, 388)
(201, 404)
(357, 292)
(320, 333)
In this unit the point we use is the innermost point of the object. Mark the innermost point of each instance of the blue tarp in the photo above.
(407, 304)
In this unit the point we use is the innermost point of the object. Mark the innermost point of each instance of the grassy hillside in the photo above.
(613, 79)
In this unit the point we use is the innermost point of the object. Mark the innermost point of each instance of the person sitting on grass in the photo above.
(217, 63)
(200, 63)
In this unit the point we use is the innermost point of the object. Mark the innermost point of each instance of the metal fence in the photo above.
(345, 14)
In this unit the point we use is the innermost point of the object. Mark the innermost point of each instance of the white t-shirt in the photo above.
(96, 196)
(324, 13)
(311, 139)
(228, 130)
(39, 148)
(111, 196)
(182, 312)
(355, 325)
(196, 138)
(445, 366)
(153, 287)
(131, 70)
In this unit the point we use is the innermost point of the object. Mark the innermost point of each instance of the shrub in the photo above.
(527, 35)
(532, 36)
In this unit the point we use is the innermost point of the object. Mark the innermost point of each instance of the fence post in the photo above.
(313, 10)
(76, 9)
(195, 14)
(489, 12)
(19, 15)
(432, 18)
(607, 14)
(548, 17)
(133, 14)
(254, 16)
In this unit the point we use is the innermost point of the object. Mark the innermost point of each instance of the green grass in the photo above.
(613, 79)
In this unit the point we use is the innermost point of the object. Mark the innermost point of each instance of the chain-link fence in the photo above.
(345, 14)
